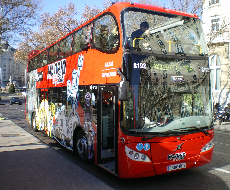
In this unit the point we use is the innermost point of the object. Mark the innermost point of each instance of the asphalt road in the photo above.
(215, 175)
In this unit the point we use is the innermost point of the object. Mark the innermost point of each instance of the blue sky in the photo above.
(52, 6)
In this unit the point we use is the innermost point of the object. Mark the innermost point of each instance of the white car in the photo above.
(24, 94)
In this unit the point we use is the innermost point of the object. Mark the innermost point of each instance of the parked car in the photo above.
(15, 100)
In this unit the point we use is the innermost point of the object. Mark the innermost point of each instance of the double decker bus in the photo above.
(128, 90)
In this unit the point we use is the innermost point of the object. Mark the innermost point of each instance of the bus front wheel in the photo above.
(81, 146)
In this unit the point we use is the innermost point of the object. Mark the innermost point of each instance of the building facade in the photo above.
(215, 17)
(11, 71)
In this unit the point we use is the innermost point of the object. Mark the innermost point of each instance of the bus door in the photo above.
(43, 109)
(107, 128)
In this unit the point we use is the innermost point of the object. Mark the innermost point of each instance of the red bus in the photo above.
(128, 90)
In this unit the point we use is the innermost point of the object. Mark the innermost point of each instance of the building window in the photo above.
(211, 2)
(215, 24)
(215, 72)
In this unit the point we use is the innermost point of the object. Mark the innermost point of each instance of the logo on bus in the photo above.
(39, 76)
(109, 64)
(57, 71)
(109, 71)
(141, 146)
(179, 147)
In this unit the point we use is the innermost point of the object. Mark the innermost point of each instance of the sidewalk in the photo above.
(225, 126)
(28, 163)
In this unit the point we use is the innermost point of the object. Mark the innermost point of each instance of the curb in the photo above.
(225, 126)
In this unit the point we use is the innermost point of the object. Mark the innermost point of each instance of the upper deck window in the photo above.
(53, 53)
(105, 34)
(82, 38)
(162, 33)
(44, 58)
(65, 47)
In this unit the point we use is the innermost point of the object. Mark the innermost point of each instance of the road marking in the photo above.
(221, 143)
(222, 170)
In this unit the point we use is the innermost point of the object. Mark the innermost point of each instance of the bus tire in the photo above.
(81, 146)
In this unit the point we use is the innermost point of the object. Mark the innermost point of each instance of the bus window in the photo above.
(164, 34)
(58, 97)
(65, 47)
(77, 41)
(53, 53)
(37, 61)
(82, 38)
(44, 58)
(105, 33)
(30, 68)
(86, 35)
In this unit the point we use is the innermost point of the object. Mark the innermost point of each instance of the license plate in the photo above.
(176, 167)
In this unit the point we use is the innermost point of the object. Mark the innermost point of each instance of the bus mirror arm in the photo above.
(123, 88)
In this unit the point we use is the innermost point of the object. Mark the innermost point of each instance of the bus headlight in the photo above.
(208, 146)
(143, 157)
(136, 156)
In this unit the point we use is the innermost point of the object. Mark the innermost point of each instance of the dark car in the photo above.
(15, 100)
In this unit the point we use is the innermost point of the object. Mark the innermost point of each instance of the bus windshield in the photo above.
(164, 33)
(168, 75)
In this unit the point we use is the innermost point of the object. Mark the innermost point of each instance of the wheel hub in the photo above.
(82, 145)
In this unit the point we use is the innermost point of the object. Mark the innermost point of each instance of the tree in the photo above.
(17, 16)
(189, 6)
(89, 12)
(51, 28)
(61, 22)
(11, 88)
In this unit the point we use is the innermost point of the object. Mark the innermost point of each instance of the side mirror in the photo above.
(123, 90)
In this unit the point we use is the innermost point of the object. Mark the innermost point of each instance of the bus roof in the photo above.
(119, 6)
(154, 8)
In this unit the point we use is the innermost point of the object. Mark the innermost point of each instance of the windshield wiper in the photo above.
(180, 53)
(192, 128)
(176, 132)
(158, 134)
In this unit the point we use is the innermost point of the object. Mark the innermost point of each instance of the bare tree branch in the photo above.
(51, 28)
(17, 16)
(189, 6)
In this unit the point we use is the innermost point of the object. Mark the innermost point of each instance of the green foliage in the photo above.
(11, 89)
